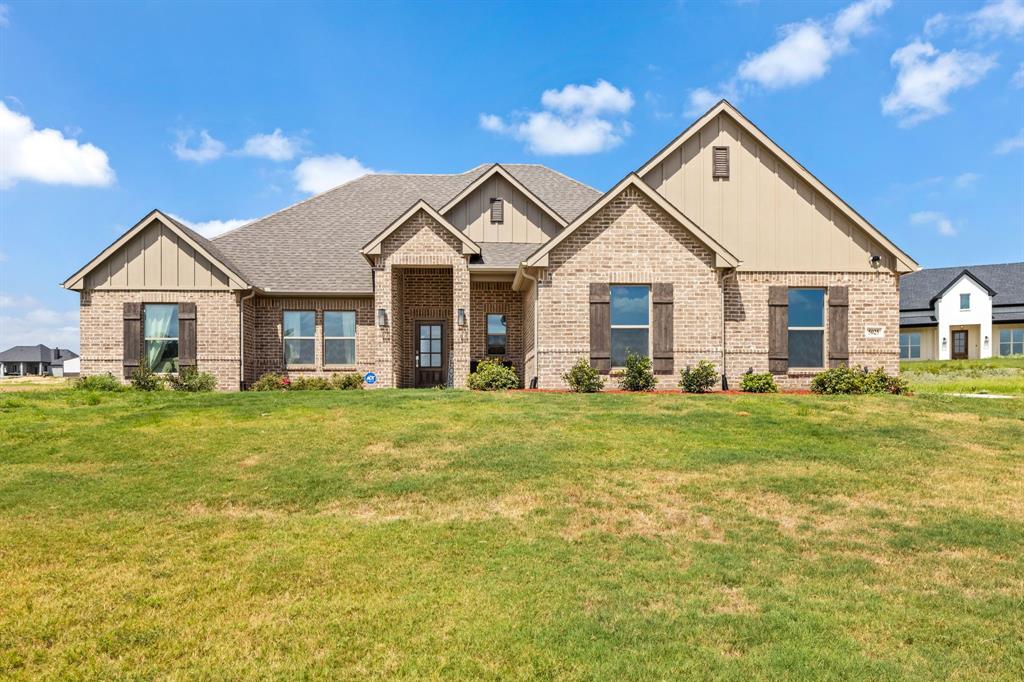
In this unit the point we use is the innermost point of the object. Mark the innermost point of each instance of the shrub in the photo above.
(638, 375)
(491, 375)
(100, 382)
(145, 379)
(191, 380)
(583, 378)
(844, 380)
(699, 379)
(271, 382)
(880, 382)
(304, 383)
(347, 382)
(759, 383)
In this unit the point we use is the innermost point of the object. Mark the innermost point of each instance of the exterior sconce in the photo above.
(876, 261)
(986, 340)
(462, 317)
(943, 341)
(382, 317)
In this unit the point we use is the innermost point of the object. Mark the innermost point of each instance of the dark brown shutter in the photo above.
(838, 326)
(778, 330)
(186, 334)
(600, 327)
(662, 326)
(720, 162)
(132, 351)
(497, 211)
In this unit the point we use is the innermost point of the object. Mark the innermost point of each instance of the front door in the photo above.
(430, 355)
(959, 344)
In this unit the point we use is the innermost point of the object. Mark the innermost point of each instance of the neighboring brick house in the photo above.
(720, 248)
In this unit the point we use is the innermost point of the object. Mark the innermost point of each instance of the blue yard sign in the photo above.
(370, 378)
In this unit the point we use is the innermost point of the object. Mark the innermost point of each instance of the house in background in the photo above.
(720, 247)
(958, 313)
(38, 360)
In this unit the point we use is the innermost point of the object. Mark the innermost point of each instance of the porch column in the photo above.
(384, 366)
(461, 335)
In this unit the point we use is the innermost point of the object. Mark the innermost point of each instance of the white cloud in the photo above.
(45, 155)
(927, 77)
(966, 180)
(702, 99)
(209, 149)
(54, 328)
(1017, 80)
(212, 228)
(275, 146)
(939, 221)
(1011, 144)
(575, 120)
(855, 19)
(5, 15)
(936, 25)
(998, 18)
(14, 301)
(321, 173)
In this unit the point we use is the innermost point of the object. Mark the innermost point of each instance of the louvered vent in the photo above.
(721, 162)
(497, 211)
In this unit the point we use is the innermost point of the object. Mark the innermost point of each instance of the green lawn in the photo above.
(410, 534)
(994, 375)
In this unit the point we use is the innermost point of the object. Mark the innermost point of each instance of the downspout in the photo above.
(536, 327)
(725, 377)
(241, 338)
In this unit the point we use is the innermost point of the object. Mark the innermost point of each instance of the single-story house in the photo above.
(973, 311)
(38, 360)
(720, 247)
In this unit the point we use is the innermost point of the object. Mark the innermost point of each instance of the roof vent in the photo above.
(497, 211)
(720, 162)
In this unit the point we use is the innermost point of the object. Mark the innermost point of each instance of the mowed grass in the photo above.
(441, 534)
(993, 375)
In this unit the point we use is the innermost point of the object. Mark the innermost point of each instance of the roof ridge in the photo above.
(558, 172)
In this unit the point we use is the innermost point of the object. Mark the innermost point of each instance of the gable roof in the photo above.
(373, 247)
(919, 290)
(204, 246)
(496, 169)
(724, 107)
(314, 245)
(36, 353)
(723, 257)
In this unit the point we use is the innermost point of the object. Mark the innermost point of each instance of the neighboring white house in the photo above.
(962, 313)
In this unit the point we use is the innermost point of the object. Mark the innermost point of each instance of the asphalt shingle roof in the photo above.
(313, 246)
(1007, 279)
(37, 353)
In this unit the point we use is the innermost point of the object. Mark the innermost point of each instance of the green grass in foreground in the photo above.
(992, 375)
(407, 534)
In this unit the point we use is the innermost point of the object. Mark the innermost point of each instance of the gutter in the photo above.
(725, 276)
(536, 323)
(241, 337)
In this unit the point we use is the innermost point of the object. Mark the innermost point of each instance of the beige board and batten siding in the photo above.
(763, 212)
(524, 221)
(157, 258)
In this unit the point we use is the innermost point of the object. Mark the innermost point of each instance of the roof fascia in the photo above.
(497, 169)
(373, 247)
(960, 275)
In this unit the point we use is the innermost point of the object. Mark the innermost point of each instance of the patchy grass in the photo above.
(992, 375)
(408, 534)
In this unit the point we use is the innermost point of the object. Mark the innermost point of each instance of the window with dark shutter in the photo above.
(132, 351)
(839, 326)
(720, 162)
(600, 327)
(497, 210)
(778, 330)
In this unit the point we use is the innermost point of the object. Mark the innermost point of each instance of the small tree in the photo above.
(583, 378)
(699, 379)
(638, 375)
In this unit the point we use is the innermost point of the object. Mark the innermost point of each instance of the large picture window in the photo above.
(339, 337)
(160, 330)
(910, 346)
(299, 341)
(807, 328)
(497, 334)
(630, 322)
(1011, 341)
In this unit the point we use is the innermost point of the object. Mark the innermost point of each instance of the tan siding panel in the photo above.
(524, 221)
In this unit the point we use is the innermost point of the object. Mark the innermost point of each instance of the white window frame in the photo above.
(824, 336)
(1010, 331)
(613, 327)
(286, 339)
(962, 306)
(327, 338)
(910, 345)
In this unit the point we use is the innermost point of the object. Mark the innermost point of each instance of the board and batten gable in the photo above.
(524, 221)
(764, 212)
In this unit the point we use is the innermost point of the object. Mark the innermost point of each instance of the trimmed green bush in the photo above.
(847, 381)
(145, 379)
(310, 383)
(100, 382)
(759, 383)
(271, 382)
(583, 378)
(699, 379)
(880, 382)
(191, 380)
(638, 375)
(347, 382)
(491, 375)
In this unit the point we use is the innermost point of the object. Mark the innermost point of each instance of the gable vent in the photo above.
(497, 210)
(720, 162)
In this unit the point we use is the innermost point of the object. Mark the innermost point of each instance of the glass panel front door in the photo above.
(960, 344)
(430, 355)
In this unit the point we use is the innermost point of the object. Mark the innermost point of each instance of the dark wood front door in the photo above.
(959, 344)
(431, 364)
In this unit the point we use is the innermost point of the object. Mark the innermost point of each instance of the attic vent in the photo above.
(721, 162)
(497, 211)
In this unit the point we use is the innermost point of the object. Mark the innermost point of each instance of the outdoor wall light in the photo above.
(382, 317)
(943, 340)
(986, 340)
(876, 261)
(462, 317)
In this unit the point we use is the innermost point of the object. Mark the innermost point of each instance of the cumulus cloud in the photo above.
(208, 149)
(927, 77)
(274, 146)
(942, 224)
(1011, 144)
(998, 18)
(966, 180)
(46, 155)
(213, 228)
(24, 323)
(321, 173)
(578, 119)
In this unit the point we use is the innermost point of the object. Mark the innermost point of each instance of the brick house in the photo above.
(721, 247)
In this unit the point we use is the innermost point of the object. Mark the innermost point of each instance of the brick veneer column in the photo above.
(460, 335)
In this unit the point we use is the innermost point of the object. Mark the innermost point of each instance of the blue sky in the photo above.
(219, 113)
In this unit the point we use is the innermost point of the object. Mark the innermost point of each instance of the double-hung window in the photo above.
(910, 346)
(630, 322)
(807, 328)
(339, 337)
(160, 330)
(299, 337)
(497, 334)
(1011, 341)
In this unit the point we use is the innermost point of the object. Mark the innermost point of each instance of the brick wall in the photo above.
(426, 297)
(497, 298)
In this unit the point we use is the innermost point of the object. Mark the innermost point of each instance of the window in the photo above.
(339, 337)
(910, 346)
(497, 334)
(299, 345)
(965, 301)
(807, 328)
(160, 330)
(497, 211)
(720, 162)
(1011, 341)
(630, 322)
